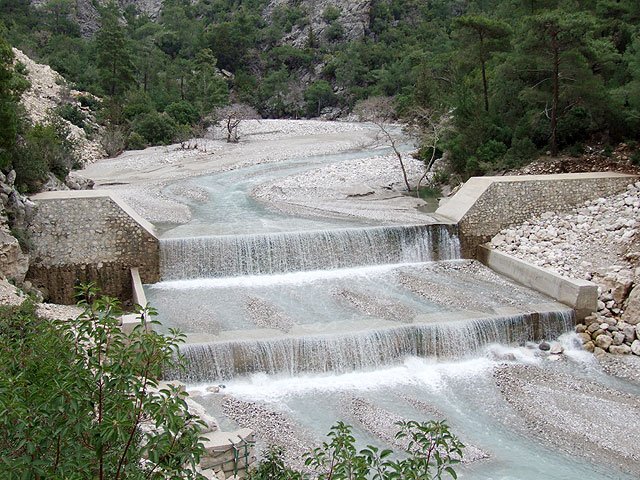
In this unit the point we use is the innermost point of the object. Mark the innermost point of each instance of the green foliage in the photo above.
(155, 128)
(272, 467)
(183, 112)
(72, 114)
(80, 399)
(114, 63)
(431, 453)
(136, 141)
(11, 87)
(47, 147)
(318, 96)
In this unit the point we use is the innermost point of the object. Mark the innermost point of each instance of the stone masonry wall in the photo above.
(89, 236)
(486, 205)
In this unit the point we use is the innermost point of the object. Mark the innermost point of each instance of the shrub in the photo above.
(47, 147)
(90, 102)
(432, 452)
(183, 113)
(156, 128)
(113, 140)
(80, 399)
(136, 142)
(522, 150)
(72, 114)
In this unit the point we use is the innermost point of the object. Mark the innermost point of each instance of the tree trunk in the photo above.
(556, 92)
(485, 86)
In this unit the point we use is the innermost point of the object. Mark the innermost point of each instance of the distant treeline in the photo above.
(512, 77)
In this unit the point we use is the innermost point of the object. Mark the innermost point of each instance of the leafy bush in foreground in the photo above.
(432, 451)
(79, 399)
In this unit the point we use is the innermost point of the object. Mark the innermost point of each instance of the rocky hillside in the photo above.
(351, 17)
(88, 18)
(48, 90)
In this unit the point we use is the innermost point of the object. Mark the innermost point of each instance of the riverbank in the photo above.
(140, 177)
(598, 241)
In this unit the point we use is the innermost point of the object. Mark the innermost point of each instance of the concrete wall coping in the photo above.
(578, 294)
(139, 296)
(458, 206)
(75, 194)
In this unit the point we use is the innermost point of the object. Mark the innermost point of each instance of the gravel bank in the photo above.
(575, 415)
(368, 188)
(272, 428)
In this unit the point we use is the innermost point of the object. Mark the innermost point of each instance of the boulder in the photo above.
(603, 341)
(635, 347)
(631, 314)
(620, 349)
(629, 332)
(618, 338)
(584, 338)
(13, 263)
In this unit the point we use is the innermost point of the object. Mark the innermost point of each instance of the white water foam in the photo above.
(414, 371)
(295, 278)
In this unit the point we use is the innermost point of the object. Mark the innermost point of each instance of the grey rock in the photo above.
(620, 349)
(635, 347)
(603, 341)
(11, 177)
(544, 346)
(618, 338)
(631, 314)
(556, 348)
(629, 332)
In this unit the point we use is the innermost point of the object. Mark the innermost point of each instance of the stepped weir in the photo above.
(338, 300)
(267, 254)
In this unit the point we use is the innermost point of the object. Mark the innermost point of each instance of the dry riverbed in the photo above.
(366, 188)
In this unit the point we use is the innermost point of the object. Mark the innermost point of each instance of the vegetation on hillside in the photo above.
(513, 78)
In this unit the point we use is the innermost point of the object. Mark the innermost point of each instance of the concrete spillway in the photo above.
(267, 254)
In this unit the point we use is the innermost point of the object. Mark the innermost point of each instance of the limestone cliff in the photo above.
(88, 18)
(354, 18)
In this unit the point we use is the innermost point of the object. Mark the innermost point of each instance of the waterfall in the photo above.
(366, 349)
(230, 256)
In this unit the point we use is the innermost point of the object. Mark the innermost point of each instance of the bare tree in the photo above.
(231, 116)
(428, 125)
(381, 112)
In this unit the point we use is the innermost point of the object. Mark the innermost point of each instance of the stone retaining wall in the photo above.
(486, 205)
(89, 236)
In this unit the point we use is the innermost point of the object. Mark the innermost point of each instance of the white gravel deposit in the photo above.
(581, 243)
(369, 188)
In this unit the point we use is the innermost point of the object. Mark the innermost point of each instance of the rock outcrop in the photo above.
(15, 210)
(88, 18)
(354, 19)
(48, 90)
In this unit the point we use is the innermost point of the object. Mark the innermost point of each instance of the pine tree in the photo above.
(481, 37)
(114, 63)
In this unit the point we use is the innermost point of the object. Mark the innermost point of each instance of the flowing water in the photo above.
(305, 315)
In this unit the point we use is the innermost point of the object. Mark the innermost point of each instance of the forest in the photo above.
(493, 83)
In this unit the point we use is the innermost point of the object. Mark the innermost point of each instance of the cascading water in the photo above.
(307, 321)
(338, 300)
(365, 350)
(267, 254)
